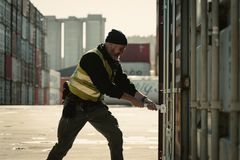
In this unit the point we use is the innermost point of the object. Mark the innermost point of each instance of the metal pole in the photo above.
(204, 31)
(234, 80)
(173, 78)
(193, 82)
(215, 104)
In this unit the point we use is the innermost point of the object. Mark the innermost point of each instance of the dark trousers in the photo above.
(98, 116)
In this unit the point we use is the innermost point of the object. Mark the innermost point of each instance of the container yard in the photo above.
(24, 62)
(197, 83)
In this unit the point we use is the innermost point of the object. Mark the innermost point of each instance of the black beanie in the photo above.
(116, 37)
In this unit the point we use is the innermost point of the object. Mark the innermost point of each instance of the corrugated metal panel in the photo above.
(30, 94)
(35, 96)
(8, 15)
(7, 41)
(7, 92)
(16, 70)
(2, 65)
(45, 79)
(19, 46)
(54, 78)
(40, 96)
(136, 53)
(38, 77)
(54, 96)
(2, 38)
(37, 58)
(2, 91)
(19, 5)
(25, 28)
(14, 19)
(32, 13)
(32, 33)
(8, 67)
(24, 95)
(14, 44)
(25, 8)
(136, 68)
(38, 39)
(46, 96)
(19, 22)
(2, 11)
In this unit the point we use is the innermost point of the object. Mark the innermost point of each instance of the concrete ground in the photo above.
(29, 132)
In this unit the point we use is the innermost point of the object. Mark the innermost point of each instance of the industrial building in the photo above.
(72, 38)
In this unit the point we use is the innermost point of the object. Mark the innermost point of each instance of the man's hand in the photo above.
(150, 104)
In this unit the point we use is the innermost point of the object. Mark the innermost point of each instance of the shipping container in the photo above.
(30, 95)
(145, 84)
(16, 70)
(9, 1)
(8, 67)
(54, 96)
(30, 54)
(32, 34)
(13, 19)
(40, 96)
(19, 46)
(7, 41)
(136, 68)
(136, 53)
(36, 101)
(38, 77)
(32, 11)
(19, 23)
(19, 5)
(2, 11)
(25, 8)
(54, 78)
(8, 92)
(25, 28)
(15, 93)
(14, 3)
(23, 72)
(2, 91)
(46, 96)
(2, 38)
(8, 15)
(37, 58)
(2, 65)
(24, 95)
(45, 79)
(14, 44)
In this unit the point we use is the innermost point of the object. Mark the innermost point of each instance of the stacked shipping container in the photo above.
(136, 59)
(23, 59)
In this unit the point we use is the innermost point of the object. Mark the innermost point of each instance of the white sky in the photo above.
(132, 17)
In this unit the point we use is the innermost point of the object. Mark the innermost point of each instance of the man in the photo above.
(98, 72)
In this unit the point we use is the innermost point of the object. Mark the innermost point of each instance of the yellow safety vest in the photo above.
(81, 85)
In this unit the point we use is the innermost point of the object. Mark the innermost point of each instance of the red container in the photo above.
(37, 58)
(8, 67)
(136, 53)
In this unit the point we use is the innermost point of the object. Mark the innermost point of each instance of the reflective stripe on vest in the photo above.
(81, 85)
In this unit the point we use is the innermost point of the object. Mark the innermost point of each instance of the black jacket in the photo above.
(93, 66)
